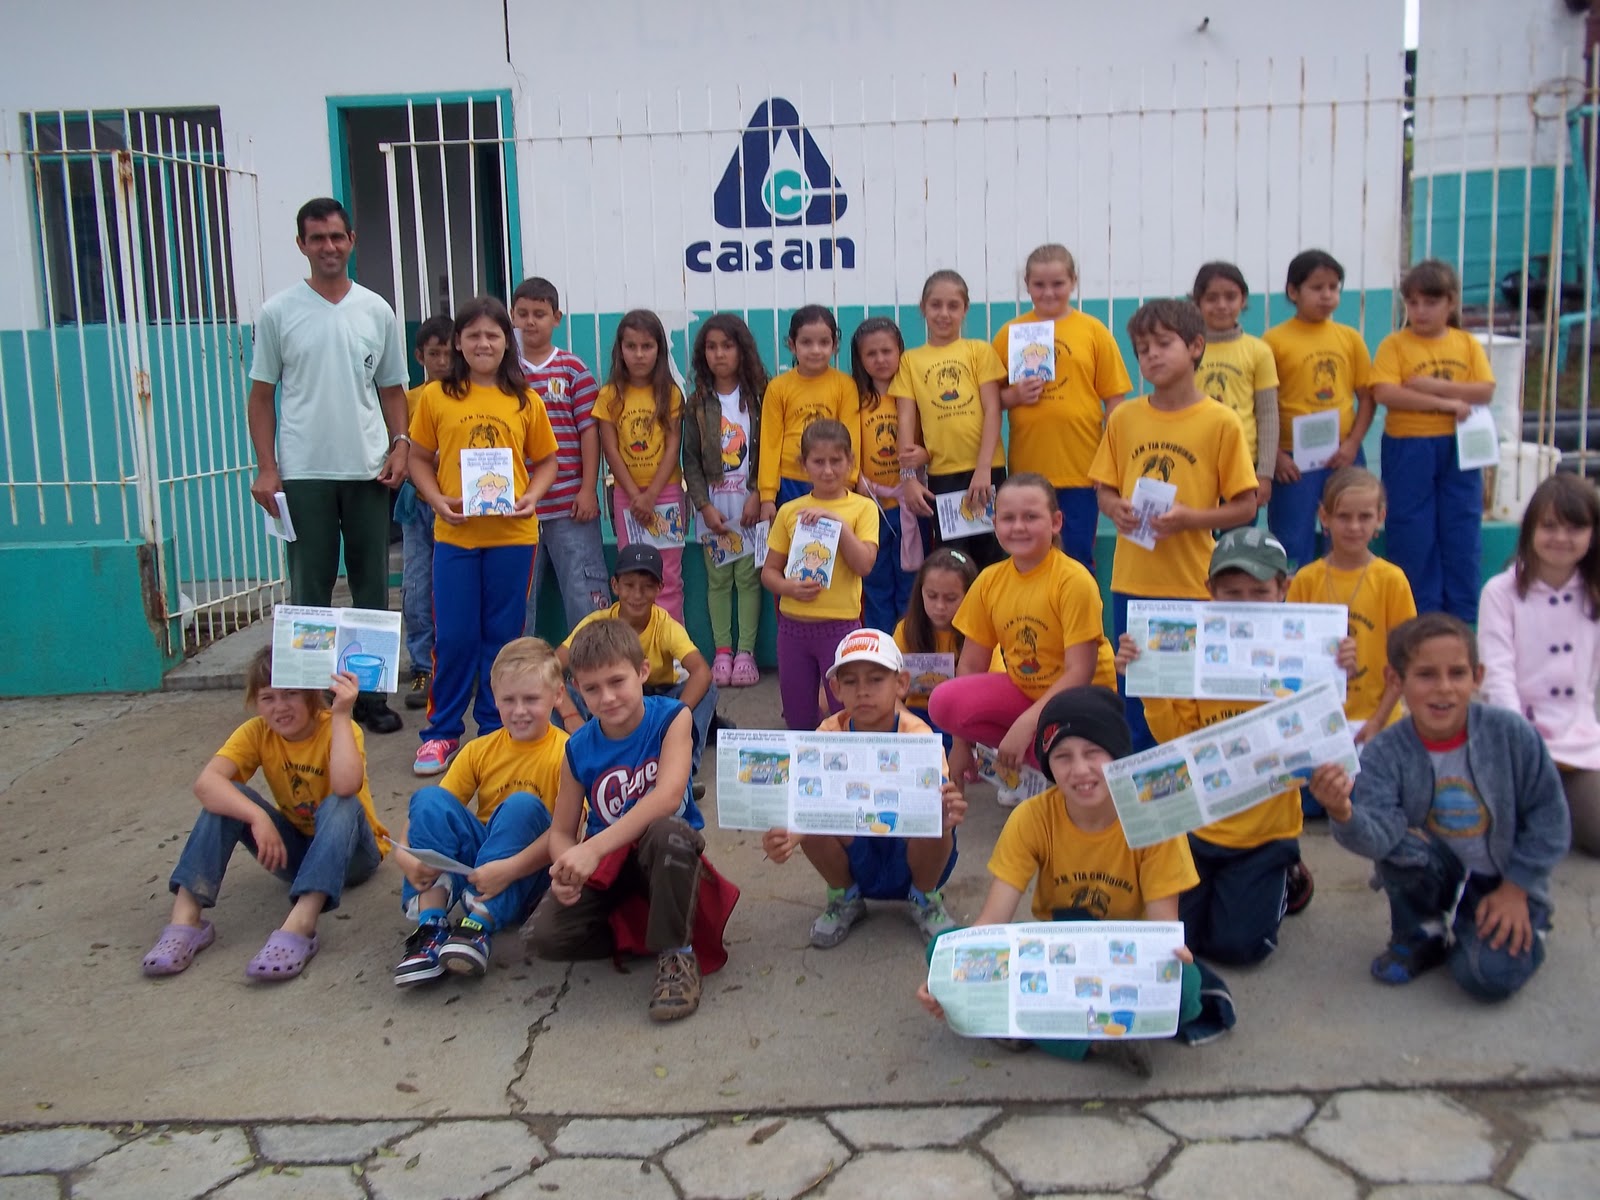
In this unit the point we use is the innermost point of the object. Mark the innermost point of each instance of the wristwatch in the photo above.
(397, 439)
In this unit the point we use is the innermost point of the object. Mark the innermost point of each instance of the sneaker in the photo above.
(845, 908)
(421, 961)
(467, 951)
(1403, 961)
(1132, 1057)
(374, 712)
(677, 991)
(930, 915)
(1299, 888)
(722, 668)
(1010, 797)
(434, 756)
(417, 696)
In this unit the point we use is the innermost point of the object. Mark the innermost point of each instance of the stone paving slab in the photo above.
(29, 1187)
(1374, 1134)
(174, 1165)
(910, 1128)
(917, 1175)
(1064, 1150)
(455, 1158)
(592, 1179)
(602, 1138)
(336, 1142)
(292, 1183)
(64, 1149)
(1238, 1119)
(1252, 1170)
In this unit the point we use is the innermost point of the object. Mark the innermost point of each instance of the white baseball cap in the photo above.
(867, 645)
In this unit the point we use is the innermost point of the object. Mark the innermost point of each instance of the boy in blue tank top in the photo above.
(631, 764)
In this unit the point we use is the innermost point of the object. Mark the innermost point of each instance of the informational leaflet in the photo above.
(1060, 979)
(735, 542)
(958, 520)
(1031, 351)
(928, 671)
(1193, 649)
(1477, 440)
(1316, 439)
(1150, 499)
(282, 525)
(310, 645)
(666, 529)
(487, 481)
(1230, 766)
(1026, 779)
(846, 784)
(815, 546)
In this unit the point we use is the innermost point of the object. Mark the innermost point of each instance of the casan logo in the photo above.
(777, 177)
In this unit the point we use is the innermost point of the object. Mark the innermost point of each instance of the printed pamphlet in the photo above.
(667, 528)
(282, 525)
(1316, 439)
(1189, 648)
(735, 542)
(1477, 440)
(488, 482)
(928, 671)
(1150, 499)
(815, 546)
(310, 645)
(1031, 350)
(958, 520)
(1016, 779)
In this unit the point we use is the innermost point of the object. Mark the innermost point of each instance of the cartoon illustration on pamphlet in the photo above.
(311, 644)
(957, 517)
(665, 528)
(490, 496)
(761, 769)
(1031, 350)
(486, 482)
(1161, 781)
(982, 965)
(734, 542)
(815, 545)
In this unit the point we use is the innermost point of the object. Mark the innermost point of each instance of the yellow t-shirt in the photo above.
(1098, 872)
(1201, 449)
(1320, 366)
(1275, 817)
(1233, 372)
(413, 397)
(484, 418)
(792, 401)
(1057, 436)
(880, 447)
(641, 438)
(665, 642)
(297, 772)
(495, 766)
(1454, 355)
(1379, 598)
(909, 722)
(1032, 618)
(944, 381)
(841, 599)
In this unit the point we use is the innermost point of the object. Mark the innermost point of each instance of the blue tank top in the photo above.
(615, 772)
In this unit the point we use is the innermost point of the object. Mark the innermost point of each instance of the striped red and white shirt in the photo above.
(568, 392)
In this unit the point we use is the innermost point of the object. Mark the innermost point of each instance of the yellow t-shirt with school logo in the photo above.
(640, 437)
(485, 418)
(1098, 872)
(1233, 372)
(1274, 818)
(1033, 617)
(791, 402)
(1454, 355)
(666, 643)
(297, 772)
(493, 767)
(944, 381)
(1320, 366)
(880, 447)
(1057, 437)
(1379, 598)
(1201, 450)
(841, 599)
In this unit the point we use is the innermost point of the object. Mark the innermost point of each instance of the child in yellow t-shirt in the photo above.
(1068, 844)
(434, 346)
(1322, 366)
(482, 563)
(514, 773)
(1175, 436)
(1239, 369)
(1056, 423)
(949, 388)
(875, 351)
(942, 583)
(822, 601)
(813, 388)
(1430, 376)
(318, 833)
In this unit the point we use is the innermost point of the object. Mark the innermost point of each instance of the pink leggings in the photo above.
(979, 709)
(671, 597)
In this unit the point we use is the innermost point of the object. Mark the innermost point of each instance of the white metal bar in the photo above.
(508, 168)
(444, 194)
(397, 258)
(424, 281)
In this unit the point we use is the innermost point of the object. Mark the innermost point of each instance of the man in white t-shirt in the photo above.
(327, 416)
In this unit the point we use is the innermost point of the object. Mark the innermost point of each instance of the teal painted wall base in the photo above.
(78, 619)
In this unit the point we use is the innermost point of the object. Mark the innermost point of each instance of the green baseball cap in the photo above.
(1252, 550)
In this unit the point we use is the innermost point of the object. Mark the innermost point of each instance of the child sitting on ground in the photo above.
(625, 779)
(1068, 844)
(870, 679)
(1460, 806)
(514, 773)
(319, 834)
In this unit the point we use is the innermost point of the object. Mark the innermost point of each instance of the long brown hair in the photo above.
(752, 372)
(919, 628)
(642, 320)
(858, 369)
(508, 375)
(1571, 500)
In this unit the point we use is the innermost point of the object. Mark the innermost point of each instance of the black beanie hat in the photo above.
(1092, 713)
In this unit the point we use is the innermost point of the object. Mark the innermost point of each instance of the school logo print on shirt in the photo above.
(945, 380)
(1159, 465)
(483, 437)
(1324, 378)
(639, 428)
(620, 787)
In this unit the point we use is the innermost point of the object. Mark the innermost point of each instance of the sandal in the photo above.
(722, 668)
(176, 947)
(745, 673)
(283, 957)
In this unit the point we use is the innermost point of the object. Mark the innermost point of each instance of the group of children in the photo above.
(588, 836)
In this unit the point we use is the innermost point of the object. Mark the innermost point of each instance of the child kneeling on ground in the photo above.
(870, 679)
(514, 772)
(319, 834)
(1460, 806)
(636, 880)
(1068, 843)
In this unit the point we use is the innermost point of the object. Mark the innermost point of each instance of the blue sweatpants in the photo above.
(1132, 706)
(792, 489)
(1435, 522)
(439, 821)
(1232, 915)
(480, 602)
(1080, 521)
(887, 590)
(1292, 514)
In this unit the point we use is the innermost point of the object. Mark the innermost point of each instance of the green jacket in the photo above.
(702, 447)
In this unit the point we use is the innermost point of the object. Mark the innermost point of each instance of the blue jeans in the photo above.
(1080, 521)
(574, 550)
(1434, 505)
(342, 853)
(416, 586)
(1232, 915)
(1421, 877)
(700, 714)
(480, 600)
(886, 591)
(1132, 706)
(439, 821)
(1292, 514)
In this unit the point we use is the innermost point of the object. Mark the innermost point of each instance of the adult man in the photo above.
(329, 351)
